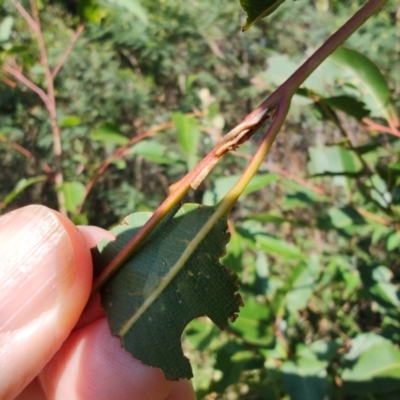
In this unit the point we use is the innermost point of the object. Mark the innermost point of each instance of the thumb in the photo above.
(45, 281)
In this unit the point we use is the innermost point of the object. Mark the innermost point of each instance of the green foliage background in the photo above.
(316, 248)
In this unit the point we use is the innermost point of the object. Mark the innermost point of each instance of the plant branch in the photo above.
(26, 16)
(373, 126)
(123, 150)
(278, 103)
(47, 98)
(68, 50)
(17, 74)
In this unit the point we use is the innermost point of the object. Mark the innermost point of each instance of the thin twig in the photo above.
(68, 50)
(16, 146)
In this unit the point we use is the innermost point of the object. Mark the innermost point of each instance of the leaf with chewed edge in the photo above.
(170, 280)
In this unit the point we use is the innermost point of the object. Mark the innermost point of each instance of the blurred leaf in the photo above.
(361, 343)
(20, 187)
(305, 381)
(74, 193)
(71, 120)
(188, 132)
(377, 282)
(132, 6)
(91, 11)
(301, 284)
(221, 186)
(348, 104)
(275, 246)
(306, 378)
(151, 299)
(377, 370)
(304, 198)
(6, 26)
(345, 216)
(233, 257)
(257, 9)
(201, 332)
(359, 70)
(154, 151)
(333, 160)
(108, 133)
(255, 323)
(393, 241)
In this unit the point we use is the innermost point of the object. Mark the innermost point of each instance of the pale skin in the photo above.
(52, 345)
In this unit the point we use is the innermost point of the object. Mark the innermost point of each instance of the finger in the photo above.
(92, 365)
(45, 281)
(94, 235)
(182, 390)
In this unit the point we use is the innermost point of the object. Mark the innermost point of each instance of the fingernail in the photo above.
(36, 265)
(94, 235)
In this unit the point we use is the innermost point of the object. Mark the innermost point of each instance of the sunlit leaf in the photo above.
(377, 369)
(6, 26)
(151, 299)
(333, 160)
(357, 69)
(377, 281)
(301, 284)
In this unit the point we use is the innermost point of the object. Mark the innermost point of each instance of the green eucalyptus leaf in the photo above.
(166, 284)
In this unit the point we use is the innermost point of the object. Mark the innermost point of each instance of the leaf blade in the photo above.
(165, 292)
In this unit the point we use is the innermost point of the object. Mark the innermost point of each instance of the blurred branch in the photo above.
(123, 150)
(16, 146)
(47, 97)
(26, 16)
(68, 50)
(373, 126)
(17, 74)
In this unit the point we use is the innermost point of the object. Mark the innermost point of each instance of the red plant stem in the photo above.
(373, 126)
(278, 101)
(25, 152)
(26, 16)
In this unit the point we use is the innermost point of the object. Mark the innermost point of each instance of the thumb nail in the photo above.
(36, 264)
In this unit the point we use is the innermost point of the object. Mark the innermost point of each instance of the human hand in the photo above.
(48, 348)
